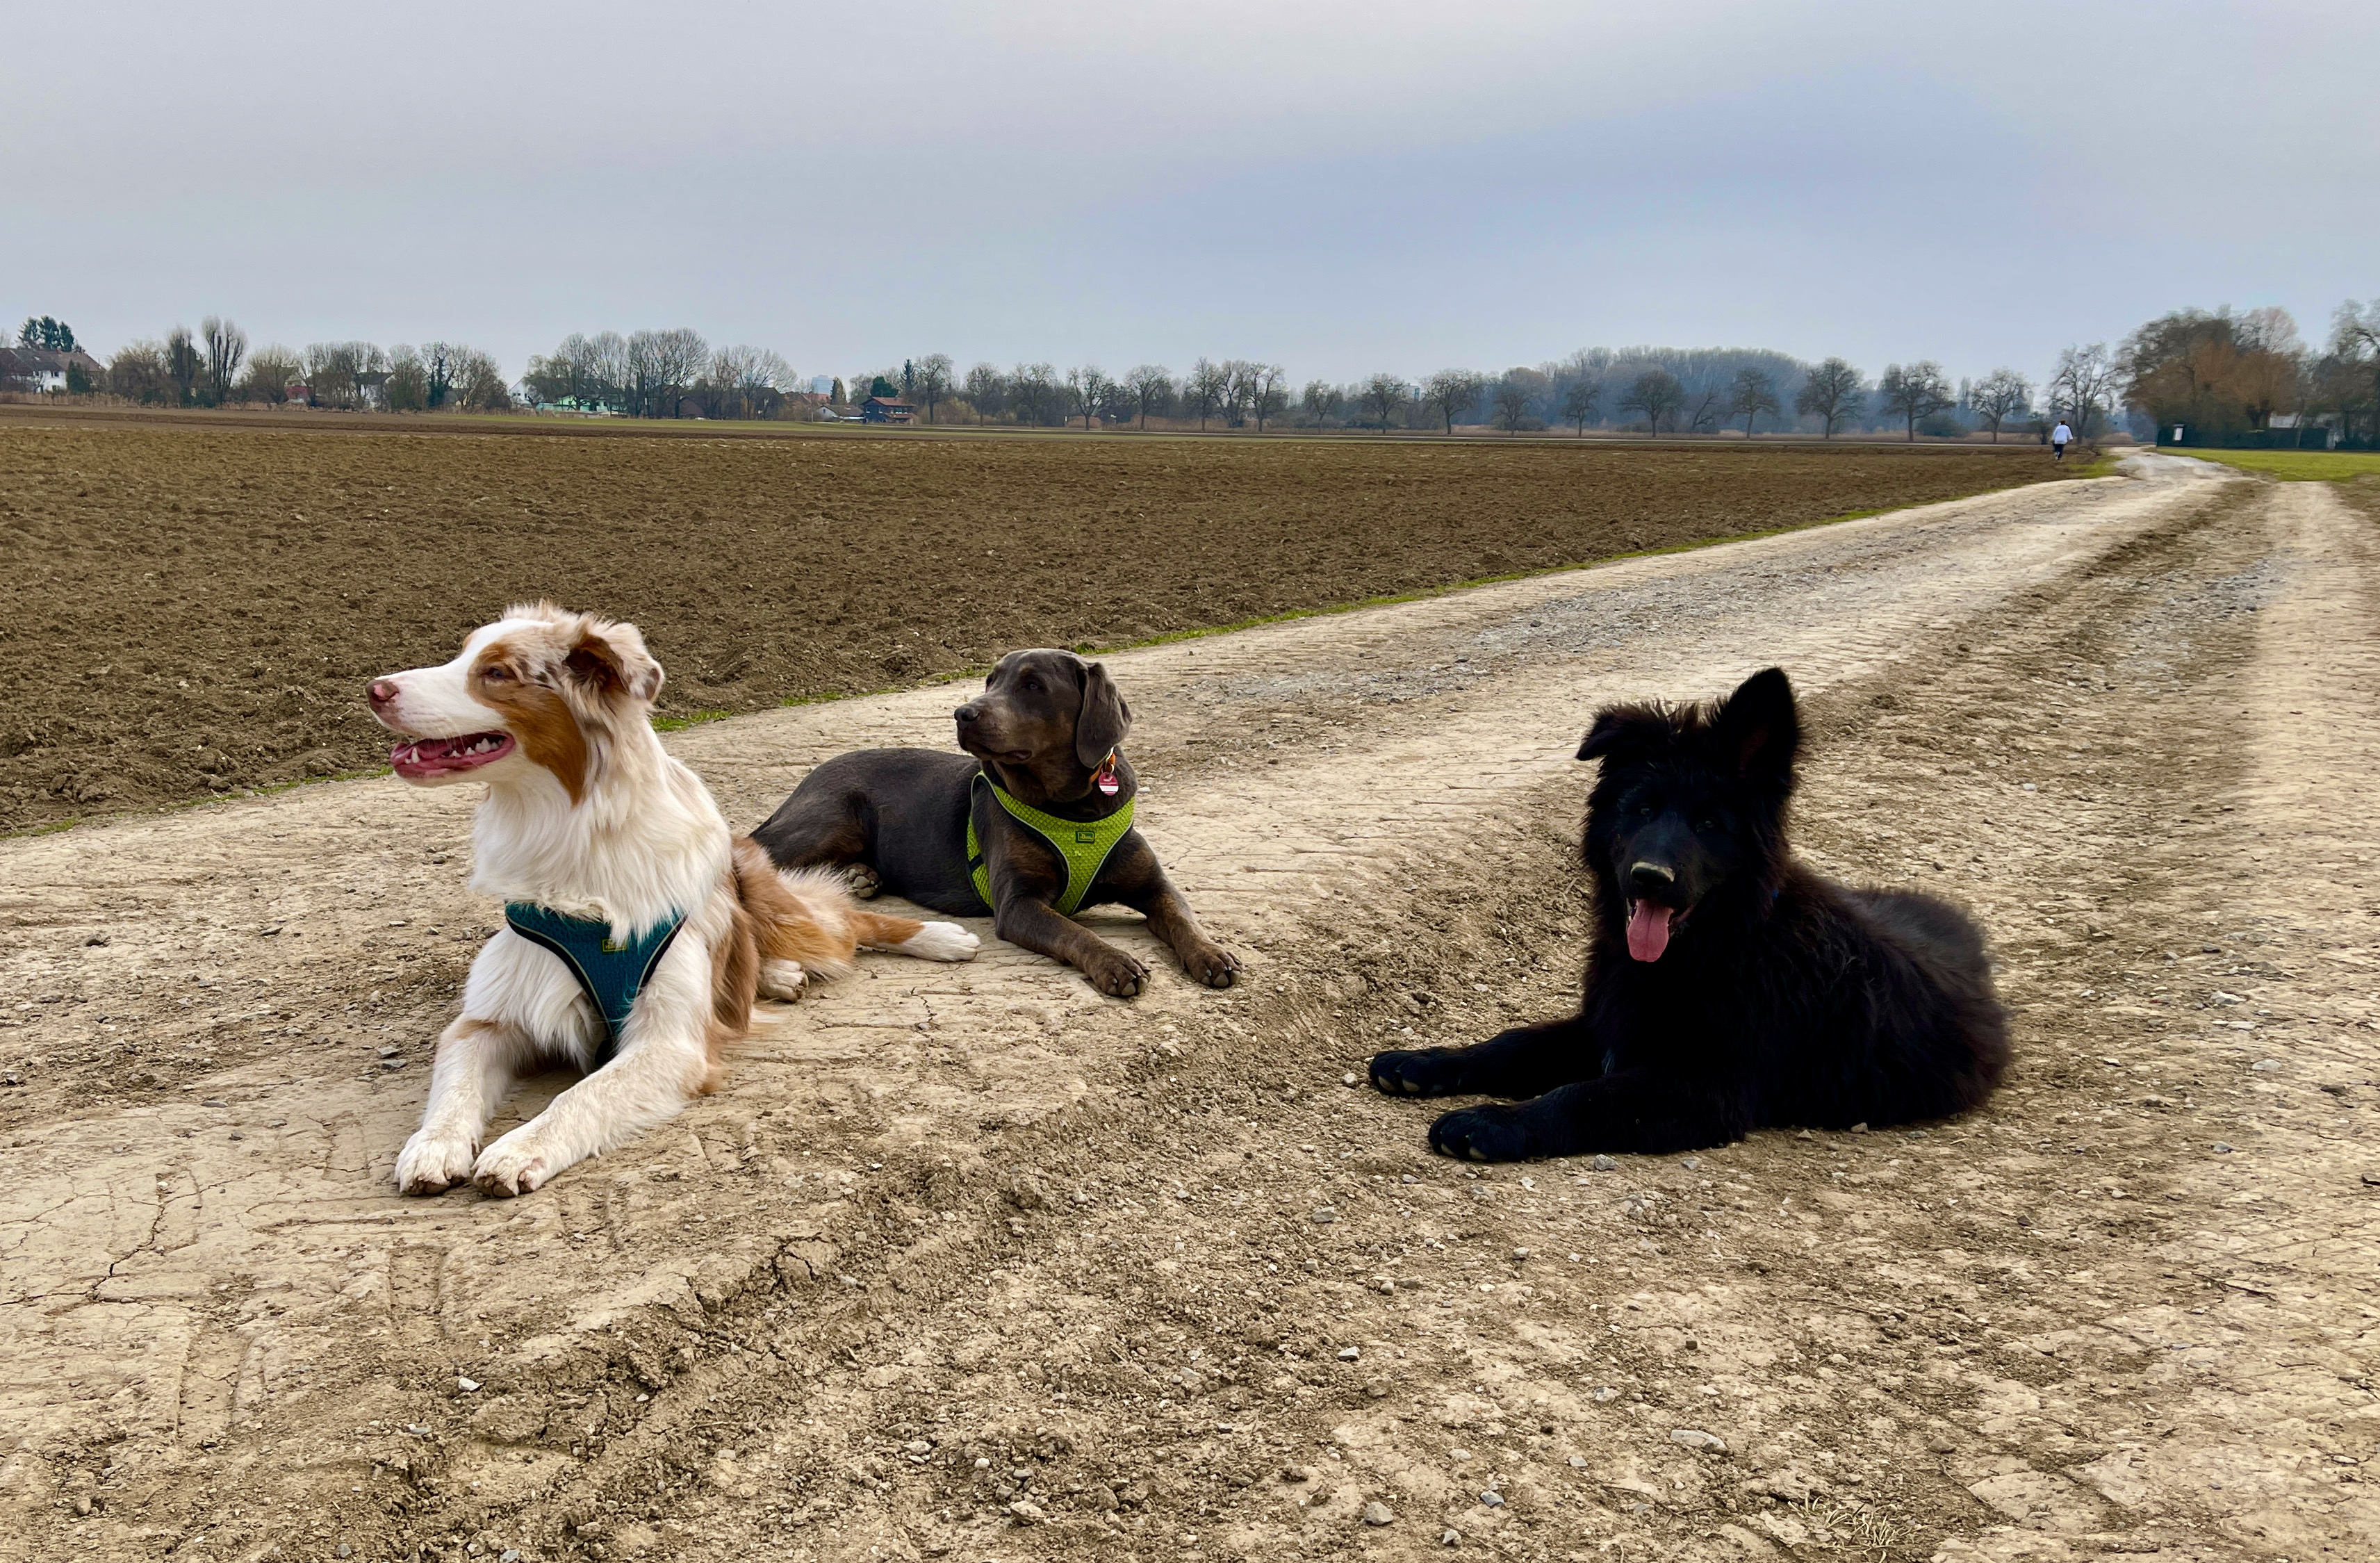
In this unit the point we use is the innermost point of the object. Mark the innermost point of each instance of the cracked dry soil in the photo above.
(973, 1263)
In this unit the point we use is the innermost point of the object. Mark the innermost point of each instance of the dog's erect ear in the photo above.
(1616, 727)
(1104, 720)
(612, 658)
(1757, 728)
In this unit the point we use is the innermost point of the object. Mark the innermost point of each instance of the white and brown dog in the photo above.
(638, 932)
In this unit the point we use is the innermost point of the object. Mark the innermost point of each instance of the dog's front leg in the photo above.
(1171, 919)
(1634, 1112)
(662, 1065)
(473, 1072)
(1525, 1061)
(1039, 927)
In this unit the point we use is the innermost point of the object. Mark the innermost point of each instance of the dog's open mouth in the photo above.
(1649, 928)
(422, 757)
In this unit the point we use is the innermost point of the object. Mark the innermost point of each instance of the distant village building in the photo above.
(887, 409)
(38, 368)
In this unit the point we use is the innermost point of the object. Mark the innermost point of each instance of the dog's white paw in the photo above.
(432, 1163)
(783, 980)
(942, 942)
(517, 1164)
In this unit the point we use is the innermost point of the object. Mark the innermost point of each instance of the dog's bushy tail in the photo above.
(810, 915)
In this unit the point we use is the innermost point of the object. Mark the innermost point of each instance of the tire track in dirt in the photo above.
(1398, 733)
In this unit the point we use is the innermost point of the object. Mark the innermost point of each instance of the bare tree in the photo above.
(1208, 385)
(1705, 407)
(1580, 402)
(136, 373)
(1999, 394)
(2084, 388)
(1657, 395)
(987, 391)
(603, 362)
(722, 389)
(1239, 389)
(662, 365)
(1151, 386)
(1087, 390)
(1832, 394)
(2355, 353)
(1451, 391)
(438, 371)
(1033, 389)
(765, 380)
(269, 370)
(1320, 400)
(1920, 389)
(1512, 397)
(1382, 395)
(1266, 394)
(934, 374)
(183, 365)
(226, 346)
(407, 389)
(479, 382)
(1754, 394)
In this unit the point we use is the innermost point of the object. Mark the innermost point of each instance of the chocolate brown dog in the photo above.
(1032, 824)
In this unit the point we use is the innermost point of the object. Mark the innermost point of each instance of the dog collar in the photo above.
(611, 972)
(1083, 845)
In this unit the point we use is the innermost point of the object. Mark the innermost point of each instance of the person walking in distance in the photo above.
(2059, 437)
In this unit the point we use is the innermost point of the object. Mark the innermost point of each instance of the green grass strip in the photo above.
(2293, 466)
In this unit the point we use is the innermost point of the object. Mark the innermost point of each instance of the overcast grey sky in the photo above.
(1338, 188)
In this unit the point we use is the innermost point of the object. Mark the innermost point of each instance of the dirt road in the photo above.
(972, 1263)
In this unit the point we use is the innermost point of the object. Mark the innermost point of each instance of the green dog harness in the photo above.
(610, 972)
(1083, 845)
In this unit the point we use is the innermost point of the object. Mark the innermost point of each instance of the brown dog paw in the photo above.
(1212, 965)
(1116, 974)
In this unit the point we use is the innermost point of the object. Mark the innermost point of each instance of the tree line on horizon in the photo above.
(2220, 372)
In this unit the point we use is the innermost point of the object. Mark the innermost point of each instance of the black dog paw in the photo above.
(1424, 1072)
(1482, 1134)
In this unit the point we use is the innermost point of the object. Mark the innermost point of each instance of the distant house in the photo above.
(887, 409)
(37, 369)
(300, 392)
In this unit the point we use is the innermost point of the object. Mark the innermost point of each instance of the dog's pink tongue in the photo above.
(1648, 930)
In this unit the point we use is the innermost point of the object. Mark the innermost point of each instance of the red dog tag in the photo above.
(1108, 781)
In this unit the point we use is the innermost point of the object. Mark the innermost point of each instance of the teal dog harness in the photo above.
(1083, 845)
(611, 972)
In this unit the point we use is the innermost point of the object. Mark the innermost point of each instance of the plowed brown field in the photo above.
(192, 608)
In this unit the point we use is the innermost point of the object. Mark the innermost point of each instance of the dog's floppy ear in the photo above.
(1104, 720)
(610, 658)
(1619, 726)
(1757, 729)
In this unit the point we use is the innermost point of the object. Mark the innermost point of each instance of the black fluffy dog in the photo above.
(1727, 987)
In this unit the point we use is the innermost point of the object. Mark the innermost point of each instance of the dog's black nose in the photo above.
(1650, 879)
(967, 712)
